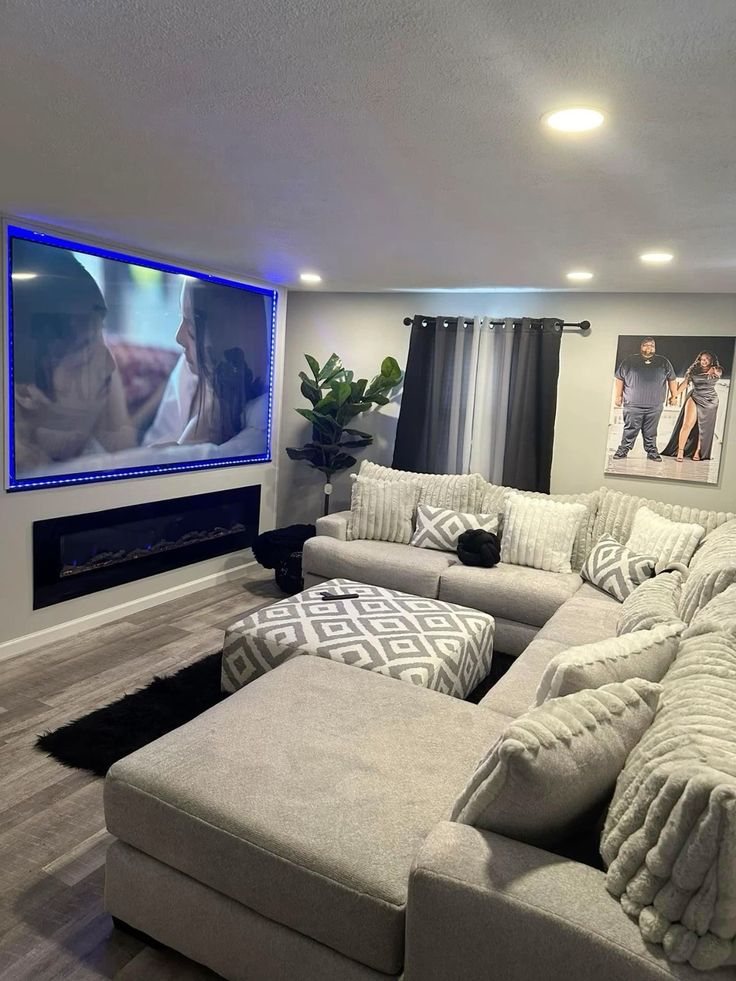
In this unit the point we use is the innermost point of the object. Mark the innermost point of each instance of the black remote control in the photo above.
(345, 596)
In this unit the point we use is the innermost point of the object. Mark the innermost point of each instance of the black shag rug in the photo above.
(99, 739)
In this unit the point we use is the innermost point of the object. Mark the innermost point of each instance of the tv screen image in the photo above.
(120, 366)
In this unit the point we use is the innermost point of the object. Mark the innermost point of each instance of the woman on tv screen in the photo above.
(68, 398)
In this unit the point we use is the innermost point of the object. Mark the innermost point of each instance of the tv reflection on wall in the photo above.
(120, 366)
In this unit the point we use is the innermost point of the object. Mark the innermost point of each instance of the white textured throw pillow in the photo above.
(440, 528)
(669, 841)
(718, 614)
(539, 532)
(670, 541)
(655, 602)
(382, 510)
(644, 654)
(617, 569)
(556, 762)
(713, 570)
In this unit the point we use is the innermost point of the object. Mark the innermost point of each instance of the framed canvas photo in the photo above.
(669, 402)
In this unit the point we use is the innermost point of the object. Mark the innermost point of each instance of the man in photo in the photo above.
(641, 384)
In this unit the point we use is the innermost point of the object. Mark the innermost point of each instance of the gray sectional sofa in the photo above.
(299, 830)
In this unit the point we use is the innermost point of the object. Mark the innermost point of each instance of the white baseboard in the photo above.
(27, 642)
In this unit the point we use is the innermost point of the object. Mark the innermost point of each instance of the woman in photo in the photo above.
(217, 389)
(68, 396)
(695, 427)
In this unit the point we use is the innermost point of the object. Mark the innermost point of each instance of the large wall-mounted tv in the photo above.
(120, 366)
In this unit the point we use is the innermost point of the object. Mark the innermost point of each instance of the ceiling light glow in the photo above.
(23, 275)
(579, 275)
(657, 258)
(576, 119)
(310, 277)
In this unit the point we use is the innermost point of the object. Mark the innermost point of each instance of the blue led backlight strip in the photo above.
(15, 482)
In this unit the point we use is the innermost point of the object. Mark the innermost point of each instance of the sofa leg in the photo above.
(138, 934)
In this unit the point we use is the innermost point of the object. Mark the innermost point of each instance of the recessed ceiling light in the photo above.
(576, 119)
(23, 275)
(310, 277)
(579, 275)
(657, 258)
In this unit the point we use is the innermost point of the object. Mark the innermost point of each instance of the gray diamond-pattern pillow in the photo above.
(612, 567)
(440, 528)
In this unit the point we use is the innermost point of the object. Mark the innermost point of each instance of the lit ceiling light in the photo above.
(657, 258)
(576, 119)
(579, 275)
(23, 275)
(310, 277)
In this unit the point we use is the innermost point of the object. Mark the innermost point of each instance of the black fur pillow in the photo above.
(478, 547)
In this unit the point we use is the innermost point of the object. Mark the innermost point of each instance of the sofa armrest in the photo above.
(487, 908)
(334, 525)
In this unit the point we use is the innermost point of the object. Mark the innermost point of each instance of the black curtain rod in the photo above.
(583, 326)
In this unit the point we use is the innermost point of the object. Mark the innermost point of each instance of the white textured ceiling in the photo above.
(386, 144)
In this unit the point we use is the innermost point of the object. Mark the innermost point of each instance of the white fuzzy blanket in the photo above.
(669, 842)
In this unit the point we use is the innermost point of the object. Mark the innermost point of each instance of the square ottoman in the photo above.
(426, 642)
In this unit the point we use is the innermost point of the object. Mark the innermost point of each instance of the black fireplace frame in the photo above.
(50, 587)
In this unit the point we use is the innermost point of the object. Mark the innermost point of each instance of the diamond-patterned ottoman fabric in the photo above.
(423, 641)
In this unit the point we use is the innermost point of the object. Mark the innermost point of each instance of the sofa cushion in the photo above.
(306, 796)
(643, 654)
(552, 766)
(382, 510)
(589, 616)
(510, 591)
(458, 492)
(412, 570)
(672, 542)
(655, 602)
(539, 532)
(617, 509)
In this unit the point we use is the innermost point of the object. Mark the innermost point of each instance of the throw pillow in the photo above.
(719, 614)
(713, 571)
(669, 841)
(551, 766)
(584, 540)
(616, 569)
(539, 533)
(644, 654)
(655, 602)
(440, 528)
(716, 544)
(670, 541)
(479, 548)
(382, 510)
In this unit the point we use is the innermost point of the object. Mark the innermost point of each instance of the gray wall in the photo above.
(364, 328)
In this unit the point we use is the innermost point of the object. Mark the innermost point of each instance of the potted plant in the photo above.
(336, 398)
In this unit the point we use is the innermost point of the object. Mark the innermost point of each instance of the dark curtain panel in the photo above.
(422, 431)
(530, 429)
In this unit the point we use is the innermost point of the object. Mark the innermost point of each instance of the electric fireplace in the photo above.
(83, 553)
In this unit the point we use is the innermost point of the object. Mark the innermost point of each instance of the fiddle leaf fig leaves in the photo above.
(336, 398)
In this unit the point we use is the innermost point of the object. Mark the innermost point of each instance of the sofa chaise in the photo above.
(300, 829)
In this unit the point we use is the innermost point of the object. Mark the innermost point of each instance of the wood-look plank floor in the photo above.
(52, 829)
